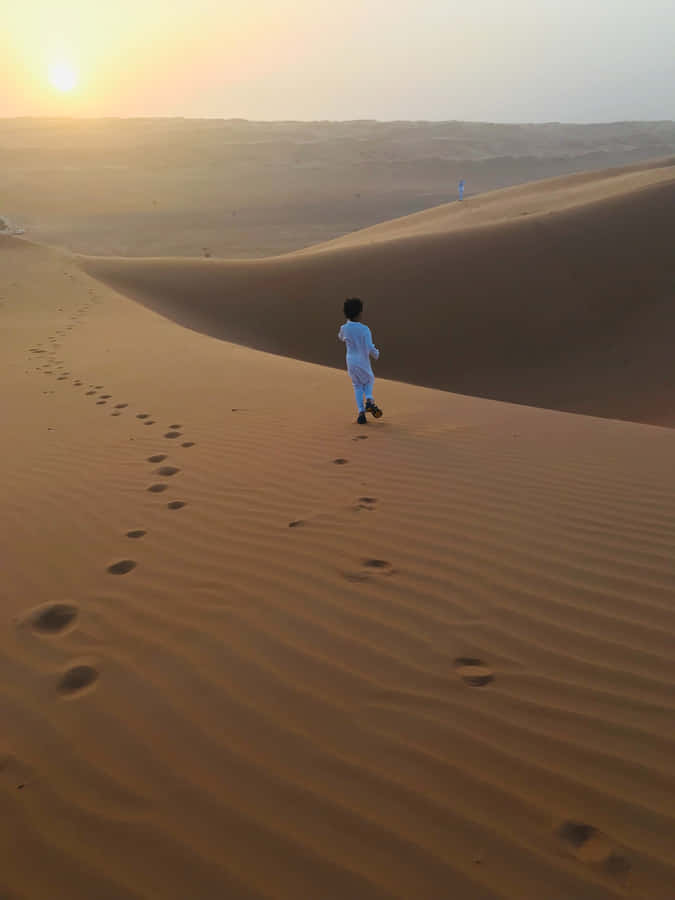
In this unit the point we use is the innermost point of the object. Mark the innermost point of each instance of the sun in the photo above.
(62, 76)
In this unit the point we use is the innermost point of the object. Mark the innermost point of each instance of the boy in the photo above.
(360, 348)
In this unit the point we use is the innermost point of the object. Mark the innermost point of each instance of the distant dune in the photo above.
(239, 189)
(557, 294)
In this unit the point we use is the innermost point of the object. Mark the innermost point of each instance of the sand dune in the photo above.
(556, 294)
(431, 658)
(238, 189)
(552, 195)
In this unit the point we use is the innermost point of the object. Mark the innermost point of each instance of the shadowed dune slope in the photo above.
(557, 295)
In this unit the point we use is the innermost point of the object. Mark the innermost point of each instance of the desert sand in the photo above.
(238, 189)
(252, 650)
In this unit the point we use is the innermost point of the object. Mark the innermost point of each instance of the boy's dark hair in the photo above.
(353, 307)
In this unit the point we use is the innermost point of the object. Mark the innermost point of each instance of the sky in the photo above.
(478, 60)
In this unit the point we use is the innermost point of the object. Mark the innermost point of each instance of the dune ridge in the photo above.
(430, 658)
(252, 189)
(556, 294)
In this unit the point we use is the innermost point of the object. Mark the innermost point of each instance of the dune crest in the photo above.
(557, 294)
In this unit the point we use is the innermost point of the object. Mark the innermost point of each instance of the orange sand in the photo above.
(451, 679)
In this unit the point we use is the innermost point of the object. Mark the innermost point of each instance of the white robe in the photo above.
(360, 348)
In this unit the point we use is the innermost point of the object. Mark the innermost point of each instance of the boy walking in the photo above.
(360, 348)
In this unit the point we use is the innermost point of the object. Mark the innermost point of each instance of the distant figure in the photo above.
(461, 188)
(360, 348)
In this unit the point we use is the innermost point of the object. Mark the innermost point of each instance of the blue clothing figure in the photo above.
(360, 349)
(461, 189)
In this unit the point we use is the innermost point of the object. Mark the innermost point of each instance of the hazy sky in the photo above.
(489, 60)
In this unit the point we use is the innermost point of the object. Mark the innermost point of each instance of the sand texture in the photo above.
(431, 657)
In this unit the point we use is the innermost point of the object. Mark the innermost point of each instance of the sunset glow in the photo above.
(62, 76)
(277, 59)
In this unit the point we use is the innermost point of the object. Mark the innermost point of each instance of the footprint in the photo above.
(121, 405)
(188, 444)
(143, 416)
(172, 434)
(62, 378)
(377, 564)
(473, 671)
(175, 426)
(158, 488)
(89, 393)
(175, 504)
(137, 533)
(115, 414)
(298, 523)
(98, 402)
(76, 679)
(340, 462)
(99, 387)
(366, 503)
(53, 618)
(590, 845)
(77, 383)
(105, 396)
(122, 567)
(360, 437)
(167, 471)
(149, 422)
(158, 457)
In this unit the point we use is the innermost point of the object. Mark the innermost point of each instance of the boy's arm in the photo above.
(341, 335)
(372, 349)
